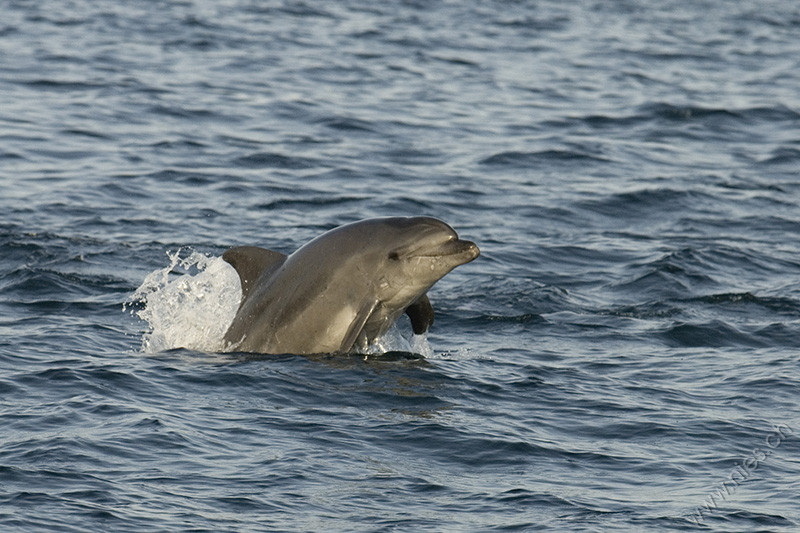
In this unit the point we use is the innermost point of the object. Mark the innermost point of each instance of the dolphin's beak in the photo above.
(457, 250)
(459, 247)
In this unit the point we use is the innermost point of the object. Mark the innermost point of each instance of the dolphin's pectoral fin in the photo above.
(421, 314)
(251, 262)
(357, 327)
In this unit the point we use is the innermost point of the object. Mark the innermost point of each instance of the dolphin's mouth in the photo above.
(450, 248)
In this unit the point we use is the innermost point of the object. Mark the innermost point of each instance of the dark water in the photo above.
(622, 357)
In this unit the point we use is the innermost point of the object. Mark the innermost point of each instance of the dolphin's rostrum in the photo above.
(344, 289)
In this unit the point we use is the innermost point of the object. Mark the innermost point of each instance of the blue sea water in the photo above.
(624, 355)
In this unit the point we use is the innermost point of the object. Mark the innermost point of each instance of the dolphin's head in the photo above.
(428, 248)
(398, 258)
(416, 253)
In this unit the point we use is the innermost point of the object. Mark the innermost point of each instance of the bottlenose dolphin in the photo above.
(344, 289)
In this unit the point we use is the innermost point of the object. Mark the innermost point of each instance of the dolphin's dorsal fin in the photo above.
(421, 314)
(252, 262)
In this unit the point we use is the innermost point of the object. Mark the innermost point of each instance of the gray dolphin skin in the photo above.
(343, 290)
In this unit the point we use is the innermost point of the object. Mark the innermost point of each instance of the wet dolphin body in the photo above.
(345, 288)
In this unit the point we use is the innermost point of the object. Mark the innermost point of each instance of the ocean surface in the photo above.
(624, 355)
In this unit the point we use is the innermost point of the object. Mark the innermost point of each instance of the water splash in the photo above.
(190, 310)
(395, 341)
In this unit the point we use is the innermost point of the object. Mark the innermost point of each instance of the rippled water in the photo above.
(622, 357)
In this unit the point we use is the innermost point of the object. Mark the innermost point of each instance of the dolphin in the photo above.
(344, 289)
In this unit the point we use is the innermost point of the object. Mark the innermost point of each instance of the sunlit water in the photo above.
(622, 357)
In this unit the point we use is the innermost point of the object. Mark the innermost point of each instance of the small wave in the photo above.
(526, 159)
(647, 202)
(779, 334)
(188, 144)
(777, 304)
(646, 311)
(274, 160)
(682, 113)
(714, 334)
(675, 114)
(63, 85)
(749, 520)
(349, 124)
(314, 202)
(782, 156)
(413, 156)
(674, 274)
(53, 289)
(184, 112)
(7, 388)
(533, 24)
(11, 155)
(77, 132)
(524, 318)
(182, 176)
(672, 112)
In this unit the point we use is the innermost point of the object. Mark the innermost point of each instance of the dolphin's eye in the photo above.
(393, 256)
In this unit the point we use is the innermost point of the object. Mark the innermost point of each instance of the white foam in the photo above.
(190, 310)
(394, 341)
